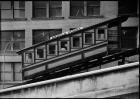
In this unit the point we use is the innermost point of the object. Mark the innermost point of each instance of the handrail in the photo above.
(109, 22)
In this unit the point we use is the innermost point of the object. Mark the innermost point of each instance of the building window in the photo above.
(84, 8)
(10, 72)
(128, 7)
(55, 9)
(12, 9)
(44, 35)
(6, 72)
(11, 41)
(17, 70)
(77, 8)
(93, 8)
(47, 9)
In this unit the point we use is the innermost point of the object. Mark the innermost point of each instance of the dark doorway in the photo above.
(129, 37)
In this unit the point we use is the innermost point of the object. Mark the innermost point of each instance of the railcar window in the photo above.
(101, 34)
(112, 35)
(76, 42)
(88, 38)
(40, 53)
(29, 58)
(64, 46)
(52, 49)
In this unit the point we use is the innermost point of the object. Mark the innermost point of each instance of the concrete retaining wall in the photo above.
(106, 82)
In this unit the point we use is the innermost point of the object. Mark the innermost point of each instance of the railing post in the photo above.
(34, 54)
(46, 50)
(22, 55)
(120, 36)
(57, 47)
(82, 55)
(95, 36)
(69, 43)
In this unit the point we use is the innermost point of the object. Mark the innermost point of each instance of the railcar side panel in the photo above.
(91, 53)
(64, 61)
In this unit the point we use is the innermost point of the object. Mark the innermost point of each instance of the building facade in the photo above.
(24, 23)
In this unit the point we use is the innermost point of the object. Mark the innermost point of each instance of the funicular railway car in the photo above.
(64, 50)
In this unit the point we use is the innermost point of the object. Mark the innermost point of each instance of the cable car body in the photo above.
(65, 49)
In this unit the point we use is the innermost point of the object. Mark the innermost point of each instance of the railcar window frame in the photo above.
(31, 59)
(92, 38)
(104, 34)
(55, 49)
(43, 53)
(66, 45)
(80, 41)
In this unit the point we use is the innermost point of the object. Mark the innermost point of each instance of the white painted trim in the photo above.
(15, 58)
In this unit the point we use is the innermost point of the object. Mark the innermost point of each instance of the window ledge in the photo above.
(85, 17)
(53, 18)
(10, 53)
(11, 82)
(16, 19)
